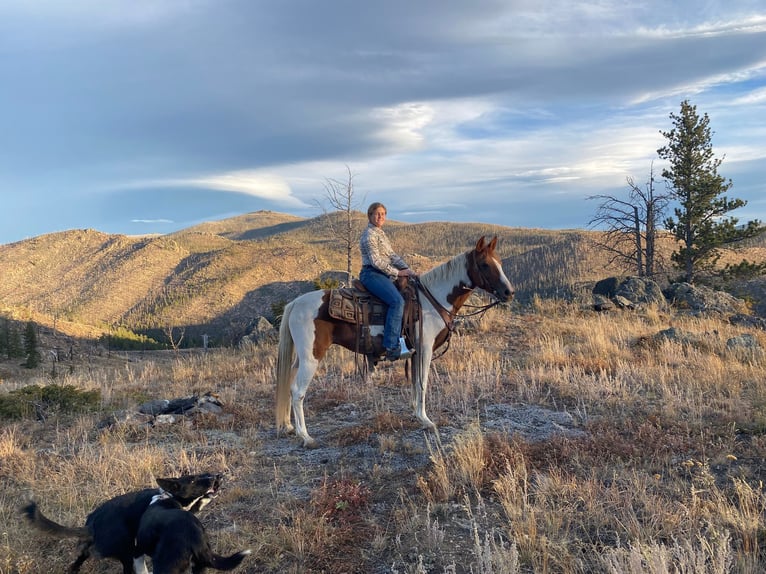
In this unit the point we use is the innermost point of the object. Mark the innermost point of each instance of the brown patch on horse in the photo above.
(323, 328)
(329, 331)
(478, 264)
(485, 270)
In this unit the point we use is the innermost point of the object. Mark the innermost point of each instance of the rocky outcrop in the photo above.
(626, 293)
(700, 299)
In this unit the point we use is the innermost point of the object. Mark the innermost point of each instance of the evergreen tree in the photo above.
(700, 224)
(4, 337)
(30, 346)
(15, 349)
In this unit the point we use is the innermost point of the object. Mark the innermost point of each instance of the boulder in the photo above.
(746, 342)
(626, 293)
(678, 336)
(260, 332)
(602, 302)
(745, 320)
(641, 290)
(700, 299)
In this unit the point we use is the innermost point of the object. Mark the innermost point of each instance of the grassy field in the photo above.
(663, 474)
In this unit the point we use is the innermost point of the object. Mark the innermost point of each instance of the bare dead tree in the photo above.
(631, 226)
(170, 331)
(341, 197)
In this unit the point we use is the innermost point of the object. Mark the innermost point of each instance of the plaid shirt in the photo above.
(377, 251)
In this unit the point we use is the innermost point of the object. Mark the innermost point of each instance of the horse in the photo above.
(307, 331)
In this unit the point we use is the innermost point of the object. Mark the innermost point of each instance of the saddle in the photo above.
(358, 306)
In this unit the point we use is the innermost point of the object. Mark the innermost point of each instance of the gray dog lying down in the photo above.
(110, 531)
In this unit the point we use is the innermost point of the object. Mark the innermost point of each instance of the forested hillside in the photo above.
(217, 278)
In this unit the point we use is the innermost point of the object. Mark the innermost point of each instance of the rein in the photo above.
(448, 316)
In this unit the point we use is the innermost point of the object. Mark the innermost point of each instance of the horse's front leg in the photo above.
(420, 386)
(300, 385)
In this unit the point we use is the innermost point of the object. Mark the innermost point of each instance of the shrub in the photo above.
(43, 401)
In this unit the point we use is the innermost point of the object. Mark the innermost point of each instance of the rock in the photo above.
(261, 332)
(607, 287)
(678, 336)
(745, 320)
(754, 291)
(531, 422)
(626, 293)
(165, 419)
(700, 299)
(333, 278)
(602, 303)
(125, 418)
(641, 290)
(623, 302)
(745, 341)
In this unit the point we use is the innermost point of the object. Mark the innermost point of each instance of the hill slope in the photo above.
(219, 277)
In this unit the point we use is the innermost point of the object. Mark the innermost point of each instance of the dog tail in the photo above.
(45, 524)
(227, 562)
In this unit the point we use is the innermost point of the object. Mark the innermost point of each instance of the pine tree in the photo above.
(30, 346)
(15, 348)
(693, 179)
(4, 337)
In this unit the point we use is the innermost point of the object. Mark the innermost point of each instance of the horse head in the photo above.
(486, 270)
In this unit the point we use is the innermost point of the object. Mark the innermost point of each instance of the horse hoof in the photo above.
(310, 443)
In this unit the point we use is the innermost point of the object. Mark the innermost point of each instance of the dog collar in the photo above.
(161, 495)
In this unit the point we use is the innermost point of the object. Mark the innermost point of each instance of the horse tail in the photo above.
(284, 369)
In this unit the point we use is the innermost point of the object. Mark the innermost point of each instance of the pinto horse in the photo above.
(308, 330)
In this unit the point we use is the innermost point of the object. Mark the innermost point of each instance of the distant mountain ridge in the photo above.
(219, 277)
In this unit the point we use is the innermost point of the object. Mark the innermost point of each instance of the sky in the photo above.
(149, 116)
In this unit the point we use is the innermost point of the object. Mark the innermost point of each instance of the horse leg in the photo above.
(419, 387)
(369, 367)
(287, 424)
(306, 369)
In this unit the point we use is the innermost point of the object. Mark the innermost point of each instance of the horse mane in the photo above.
(447, 270)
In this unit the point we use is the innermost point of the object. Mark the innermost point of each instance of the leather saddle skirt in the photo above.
(357, 305)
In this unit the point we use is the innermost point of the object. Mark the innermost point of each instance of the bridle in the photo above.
(449, 317)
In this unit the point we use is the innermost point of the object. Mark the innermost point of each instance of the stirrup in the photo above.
(404, 352)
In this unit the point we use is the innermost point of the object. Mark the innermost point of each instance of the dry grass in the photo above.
(665, 477)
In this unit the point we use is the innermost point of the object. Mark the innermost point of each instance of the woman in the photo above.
(380, 268)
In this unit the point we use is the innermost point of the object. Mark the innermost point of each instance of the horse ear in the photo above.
(492, 244)
(480, 244)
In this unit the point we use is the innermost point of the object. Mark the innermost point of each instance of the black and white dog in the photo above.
(175, 539)
(110, 530)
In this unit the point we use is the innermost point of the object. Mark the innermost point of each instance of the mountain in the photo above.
(219, 277)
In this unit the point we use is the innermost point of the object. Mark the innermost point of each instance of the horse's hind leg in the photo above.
(286, 424)
(306, 369)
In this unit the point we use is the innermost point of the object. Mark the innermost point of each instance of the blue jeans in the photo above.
(381, 285)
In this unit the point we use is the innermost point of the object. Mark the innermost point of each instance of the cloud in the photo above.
(248, 104)
(151, 221)
(248, 182)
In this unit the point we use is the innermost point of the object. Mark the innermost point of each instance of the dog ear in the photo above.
(168, 484)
